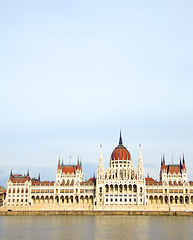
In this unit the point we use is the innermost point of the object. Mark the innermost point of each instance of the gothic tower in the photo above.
(100, 180)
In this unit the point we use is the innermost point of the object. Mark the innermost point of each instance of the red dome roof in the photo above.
(120, 152)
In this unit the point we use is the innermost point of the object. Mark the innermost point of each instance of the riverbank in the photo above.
(92, 213)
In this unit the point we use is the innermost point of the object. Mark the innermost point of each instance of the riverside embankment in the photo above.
(91, 213)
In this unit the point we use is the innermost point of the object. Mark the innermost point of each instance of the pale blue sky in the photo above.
(73, 72)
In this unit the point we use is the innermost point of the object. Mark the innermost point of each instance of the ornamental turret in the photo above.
(140, 170)
(100, 170)
(184, 171)
(100, 180)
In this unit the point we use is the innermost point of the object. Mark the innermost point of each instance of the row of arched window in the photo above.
(170, 199)
(63, 199)
(122, 188)
(18, 190)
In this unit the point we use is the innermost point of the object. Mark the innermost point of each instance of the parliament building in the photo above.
(120, 187)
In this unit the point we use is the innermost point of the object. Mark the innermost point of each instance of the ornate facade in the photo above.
(120, 187)
(2, 195)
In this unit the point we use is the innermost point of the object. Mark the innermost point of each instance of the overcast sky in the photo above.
(72, 73)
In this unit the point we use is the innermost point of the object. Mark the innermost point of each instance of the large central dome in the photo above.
(120, 152)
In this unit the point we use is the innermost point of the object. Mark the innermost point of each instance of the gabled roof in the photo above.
(150, 181)
(93, 180)
(43, 183)
(69, 168)
(18, 178)
(173, 169)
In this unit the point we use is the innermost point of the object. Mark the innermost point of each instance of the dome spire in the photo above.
(120, 139)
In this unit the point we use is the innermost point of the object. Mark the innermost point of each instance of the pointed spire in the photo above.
(180, 163)
(11, 173)
(101, 155)
(140, 166)
(101, 165)
(120, 139)
(78, 162)
(62, 162)
(148, 175)
(184, 166)
(59, 163)
(140, 157)
(163, 166)
(100, 170)
(163, 159)
(161, 163)
(39, 177)
(140, 160)
(28, 172)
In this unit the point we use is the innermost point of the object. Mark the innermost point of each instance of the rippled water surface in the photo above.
(95, 227)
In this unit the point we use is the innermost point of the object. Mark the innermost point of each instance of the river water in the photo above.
(96, 227)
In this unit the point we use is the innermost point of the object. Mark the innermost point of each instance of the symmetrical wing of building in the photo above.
(119, 187)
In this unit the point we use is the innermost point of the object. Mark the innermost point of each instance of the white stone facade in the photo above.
(120, 187)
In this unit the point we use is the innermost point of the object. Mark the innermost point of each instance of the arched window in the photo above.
(121, 174)
(134, 188)
(107, 188)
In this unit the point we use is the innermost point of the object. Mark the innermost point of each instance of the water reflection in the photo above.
(95, 227)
